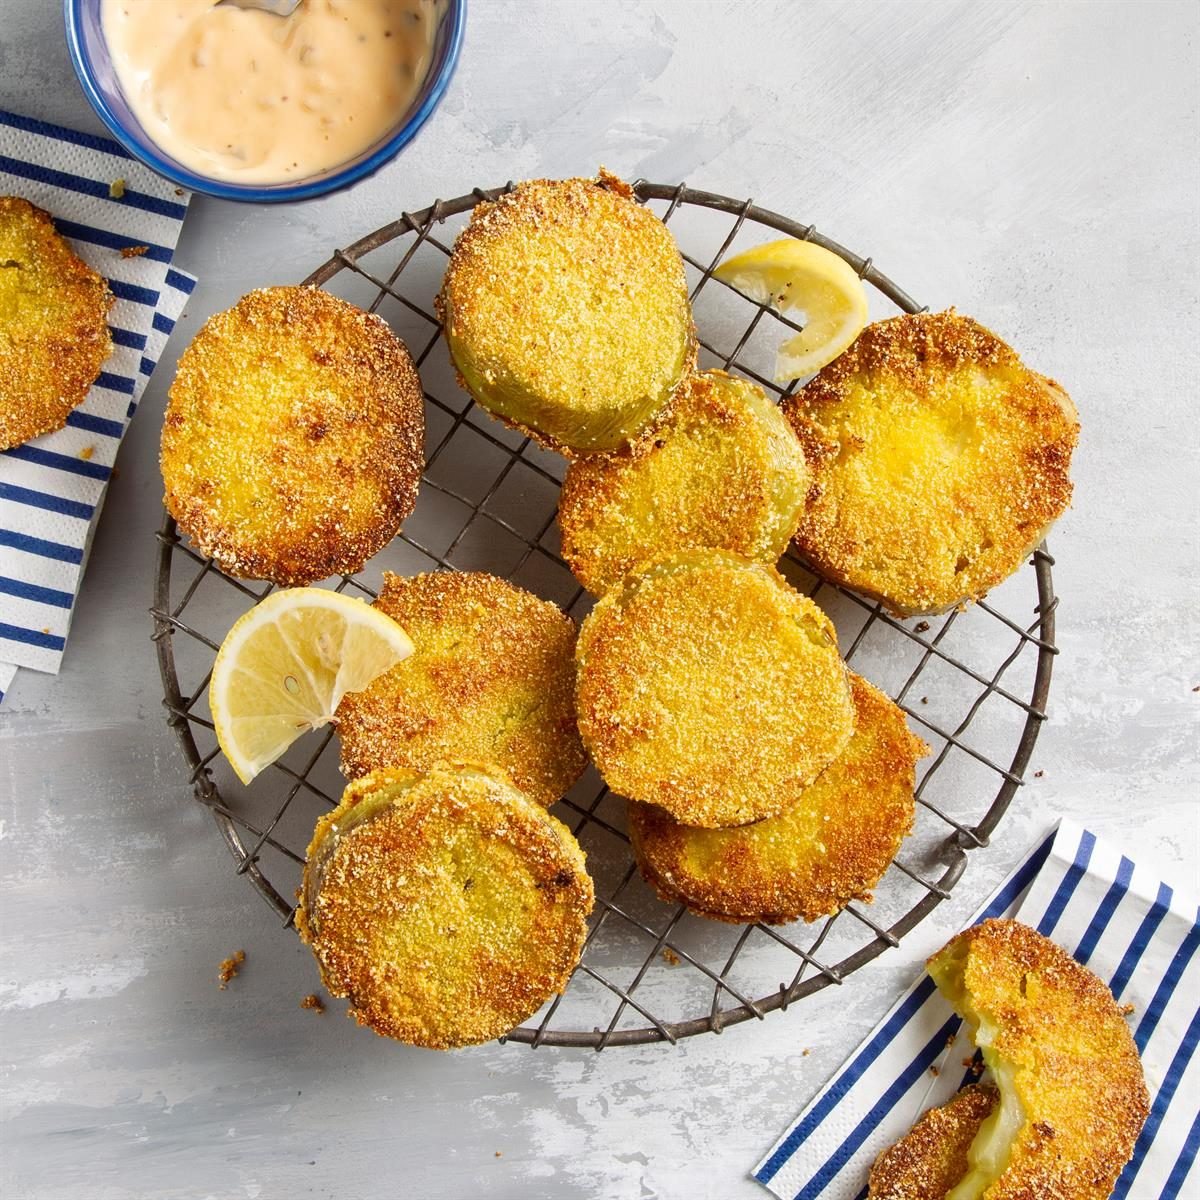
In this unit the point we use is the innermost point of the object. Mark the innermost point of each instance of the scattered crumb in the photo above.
(976, 1069)
(950, 1041)
(806, 1052)
(924, 699)
(116, 471)
(87, 452)
(230, 967)
(499, 1154)
(934, 1071)
(313, 1002)
(1038, 774)
(921, 627)
(969, 1063)
(179, 191)
(1196, 688)
(46, 629)
(671, 957)
(116, 189)
(133, 251)
(1126, 1009)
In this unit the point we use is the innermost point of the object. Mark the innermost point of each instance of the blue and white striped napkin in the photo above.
(52, 488)
(1136, 932)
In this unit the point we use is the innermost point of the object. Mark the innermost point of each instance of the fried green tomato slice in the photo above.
(708, 686)
(492, 675)
(566, 312)
(723, 471)
(939, 462)
(1073, 1097)
(929, 1160)
(445, 905)
(293, 442)
(54, 334)
(830, 846)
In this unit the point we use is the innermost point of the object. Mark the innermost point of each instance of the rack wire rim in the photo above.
(957, 846)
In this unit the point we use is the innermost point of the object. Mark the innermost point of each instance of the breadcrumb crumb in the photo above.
(229, 968)
(313, 1003)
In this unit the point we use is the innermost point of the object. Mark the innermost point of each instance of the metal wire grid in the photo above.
(624, 909)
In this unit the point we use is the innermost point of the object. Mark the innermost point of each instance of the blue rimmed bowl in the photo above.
(90, 57)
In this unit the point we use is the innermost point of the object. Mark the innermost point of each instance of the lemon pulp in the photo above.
(285, 666)
(794, 277)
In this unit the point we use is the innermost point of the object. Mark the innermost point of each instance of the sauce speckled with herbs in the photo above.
(250, 97)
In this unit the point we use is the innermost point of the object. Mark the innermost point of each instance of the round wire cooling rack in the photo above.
(650, 971)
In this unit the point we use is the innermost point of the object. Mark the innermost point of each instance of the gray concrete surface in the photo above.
(1033, 163)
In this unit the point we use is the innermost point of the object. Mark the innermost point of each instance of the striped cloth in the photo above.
(52, 488)
(1136, 932)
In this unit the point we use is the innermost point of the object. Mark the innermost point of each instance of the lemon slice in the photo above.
(286, 664)
(800, 277)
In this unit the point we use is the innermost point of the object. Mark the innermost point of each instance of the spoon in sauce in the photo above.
(281, 8)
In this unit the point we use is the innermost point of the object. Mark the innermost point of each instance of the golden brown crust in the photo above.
(447, 908)
(723, 471)
(939, 462)
(830, 846)
(1075, 1068)
(54, 334)
(708, 686)
(929, 1160)
(293, 442)
(566, 312)
(492, 676)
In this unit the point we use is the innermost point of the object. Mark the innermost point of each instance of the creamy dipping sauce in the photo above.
(250, 97)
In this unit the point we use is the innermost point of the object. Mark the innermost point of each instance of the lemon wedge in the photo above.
(800, 277)
(285, 666)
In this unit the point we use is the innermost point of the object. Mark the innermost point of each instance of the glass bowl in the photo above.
(93, 66)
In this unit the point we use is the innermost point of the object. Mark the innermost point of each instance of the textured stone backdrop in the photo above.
(1033, 163)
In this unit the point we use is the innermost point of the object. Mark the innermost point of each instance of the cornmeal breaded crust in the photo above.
(830, 846)
(566, 312)
(492, 676)
(939, 462)
(446, 906)
(1061, 1054)
(708, 686)
(54, 334)
(293, 441)
(723, 471)
(928, 1161)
